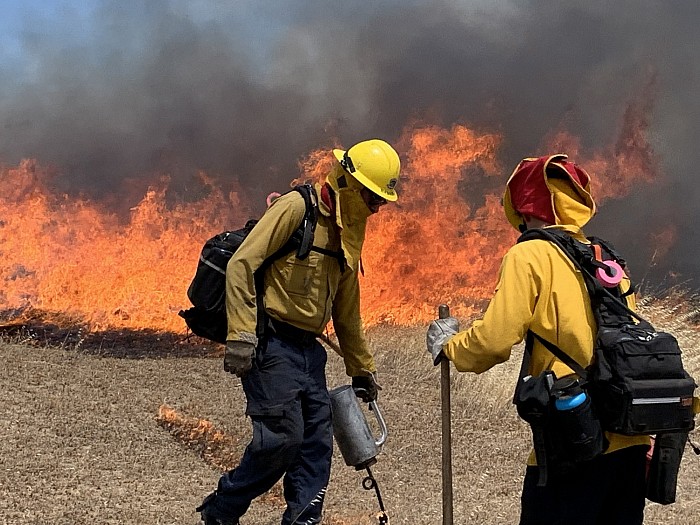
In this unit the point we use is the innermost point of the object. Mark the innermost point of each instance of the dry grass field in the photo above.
(98, 437)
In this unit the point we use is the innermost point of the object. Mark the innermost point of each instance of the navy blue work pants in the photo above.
(607, 490)
(289, 406)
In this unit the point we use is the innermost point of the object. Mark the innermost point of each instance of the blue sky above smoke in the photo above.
(74, 23)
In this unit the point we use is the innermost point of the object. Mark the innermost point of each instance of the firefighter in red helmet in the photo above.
(540, 292)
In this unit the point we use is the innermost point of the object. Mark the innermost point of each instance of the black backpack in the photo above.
(207, 291)
(636, 380)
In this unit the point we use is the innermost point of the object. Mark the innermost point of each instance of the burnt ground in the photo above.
(136, 427)
(40, 328)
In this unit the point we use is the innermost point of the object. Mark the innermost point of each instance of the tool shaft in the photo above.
(446, 408)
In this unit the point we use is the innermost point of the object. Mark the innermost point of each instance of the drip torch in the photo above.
(355, 440)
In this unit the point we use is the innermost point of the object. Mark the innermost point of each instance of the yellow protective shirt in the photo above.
(538, 289)
(305, 293)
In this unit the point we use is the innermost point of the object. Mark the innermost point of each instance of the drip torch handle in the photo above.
(382, 424)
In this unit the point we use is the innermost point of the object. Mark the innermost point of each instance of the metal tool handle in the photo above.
(382, 424)
(447, 519)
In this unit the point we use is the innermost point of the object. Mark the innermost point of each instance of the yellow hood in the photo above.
(351, 213)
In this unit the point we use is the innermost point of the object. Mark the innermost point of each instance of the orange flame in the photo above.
(441, 243)
(435, 247)
(70, 256)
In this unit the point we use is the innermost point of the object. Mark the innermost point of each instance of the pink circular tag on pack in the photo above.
(610, 281)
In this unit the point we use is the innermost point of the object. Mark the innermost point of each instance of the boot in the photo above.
(206, 518)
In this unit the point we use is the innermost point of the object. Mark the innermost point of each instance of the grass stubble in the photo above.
(100, 439)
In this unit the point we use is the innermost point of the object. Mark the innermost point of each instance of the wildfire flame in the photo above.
(441, 243)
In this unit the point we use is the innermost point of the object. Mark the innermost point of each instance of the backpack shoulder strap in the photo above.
(308, 223)
(583, 259)
(308, 228)
(302, 239)
(610, 249)
(562, 356)
(578, 252)
(612, 252)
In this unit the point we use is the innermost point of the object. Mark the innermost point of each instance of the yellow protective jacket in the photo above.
(305, 293)
(538, 289)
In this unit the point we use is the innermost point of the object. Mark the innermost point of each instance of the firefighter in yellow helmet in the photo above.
(283, 376)
(539, 292)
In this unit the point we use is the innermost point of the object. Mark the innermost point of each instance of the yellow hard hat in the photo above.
(375, 164)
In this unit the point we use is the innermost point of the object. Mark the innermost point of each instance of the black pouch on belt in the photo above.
(663, 470)
(532, 400)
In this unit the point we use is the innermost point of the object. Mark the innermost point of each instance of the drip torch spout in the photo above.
(369, 483)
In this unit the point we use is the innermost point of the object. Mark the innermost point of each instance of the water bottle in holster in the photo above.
(577, 434)
(565, 429)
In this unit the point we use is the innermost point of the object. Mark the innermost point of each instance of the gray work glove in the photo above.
(238, 357)
(439, 332)
(366, 388)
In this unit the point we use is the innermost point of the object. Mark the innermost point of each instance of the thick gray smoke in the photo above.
(243, 89)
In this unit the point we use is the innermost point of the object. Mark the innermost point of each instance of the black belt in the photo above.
(290, 333)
